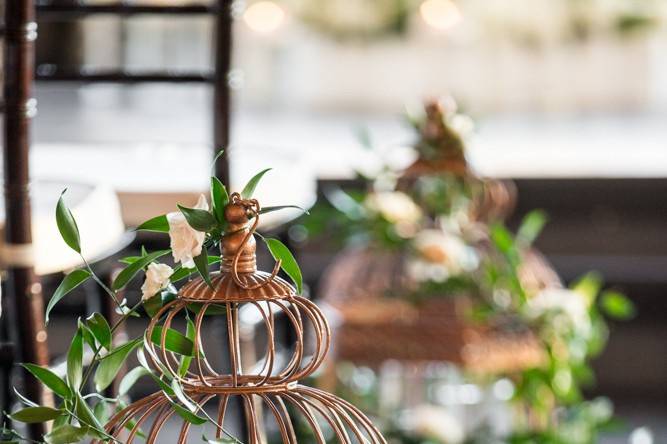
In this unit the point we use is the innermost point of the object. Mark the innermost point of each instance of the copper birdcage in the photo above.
(375, 324)
(272, 390)
(374, 328)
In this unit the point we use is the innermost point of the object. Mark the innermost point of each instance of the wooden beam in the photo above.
(63, 11)
(221, 92)
(20, 107)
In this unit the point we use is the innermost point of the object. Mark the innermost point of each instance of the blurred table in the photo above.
(151, 178)
(97, 213)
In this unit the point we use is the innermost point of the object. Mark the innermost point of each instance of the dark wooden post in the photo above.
(221, 93)
(20, 107)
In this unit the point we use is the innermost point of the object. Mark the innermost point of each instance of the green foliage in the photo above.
(184, 273)
(69, 231)
(201, 263)
(130, 379)
(265, 210)
(531, 227)
(32, 415)
(158, 224)
(111, 363)
(81, 416)
(71, 281)
(219, 198)
(100, 329)
(49, 379)
(174, 341)
(249, 188)
(186, 414)
(135, 267)
(200, 220)
(153, 305)
(75, 361)
(66, 433)
(288, 263)
(186, 359)
(218, 440)
(616, 305)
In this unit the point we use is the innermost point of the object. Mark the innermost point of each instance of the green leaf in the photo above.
(617, 305)
(186, 360)
(344, 203)
(69, 283)
(531, 227)
(158, 224)
(88, 337)
(588, 286)
(281, 253)
(158, 380)
(75, 361)
(131, 270)
(201, 262)
(502, 238)
(123, 309)
(65, 434)
(180, 394)
(219, 440)
(219, 198)
(130, 379)
(111, 364)
(217, 156)
(249, 189)
(32, 415)
(188, 415)
(131, 425)
(200, 220)
(265, 210)
(69, 231)
(49, 379)
(101, 330)
(86, 415)
(60, 420)
(154, 304)
(101, 411)
(127, 260)
(174, 341)
(183, 272)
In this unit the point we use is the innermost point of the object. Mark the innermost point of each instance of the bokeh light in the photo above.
(440, 14)
(264, 17)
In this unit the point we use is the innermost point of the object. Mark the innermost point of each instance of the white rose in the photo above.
(157, 278)
(566, 302)
(436, 423)
(186, 242)
(463, 125)
(439, 256)
(395, 206)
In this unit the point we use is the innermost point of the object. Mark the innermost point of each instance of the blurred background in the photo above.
(569, 99)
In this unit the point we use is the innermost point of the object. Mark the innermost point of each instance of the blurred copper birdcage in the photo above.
(373, 327)
(270, 392)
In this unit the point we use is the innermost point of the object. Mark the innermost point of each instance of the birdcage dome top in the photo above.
(223, 288)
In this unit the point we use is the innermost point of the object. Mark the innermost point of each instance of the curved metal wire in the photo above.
(325, 414)
(255, 208)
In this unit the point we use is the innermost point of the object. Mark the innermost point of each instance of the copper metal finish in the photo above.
(374, 328)
(270, 392)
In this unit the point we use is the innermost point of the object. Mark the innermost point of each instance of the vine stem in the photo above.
(109, 291)
(115, 327)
